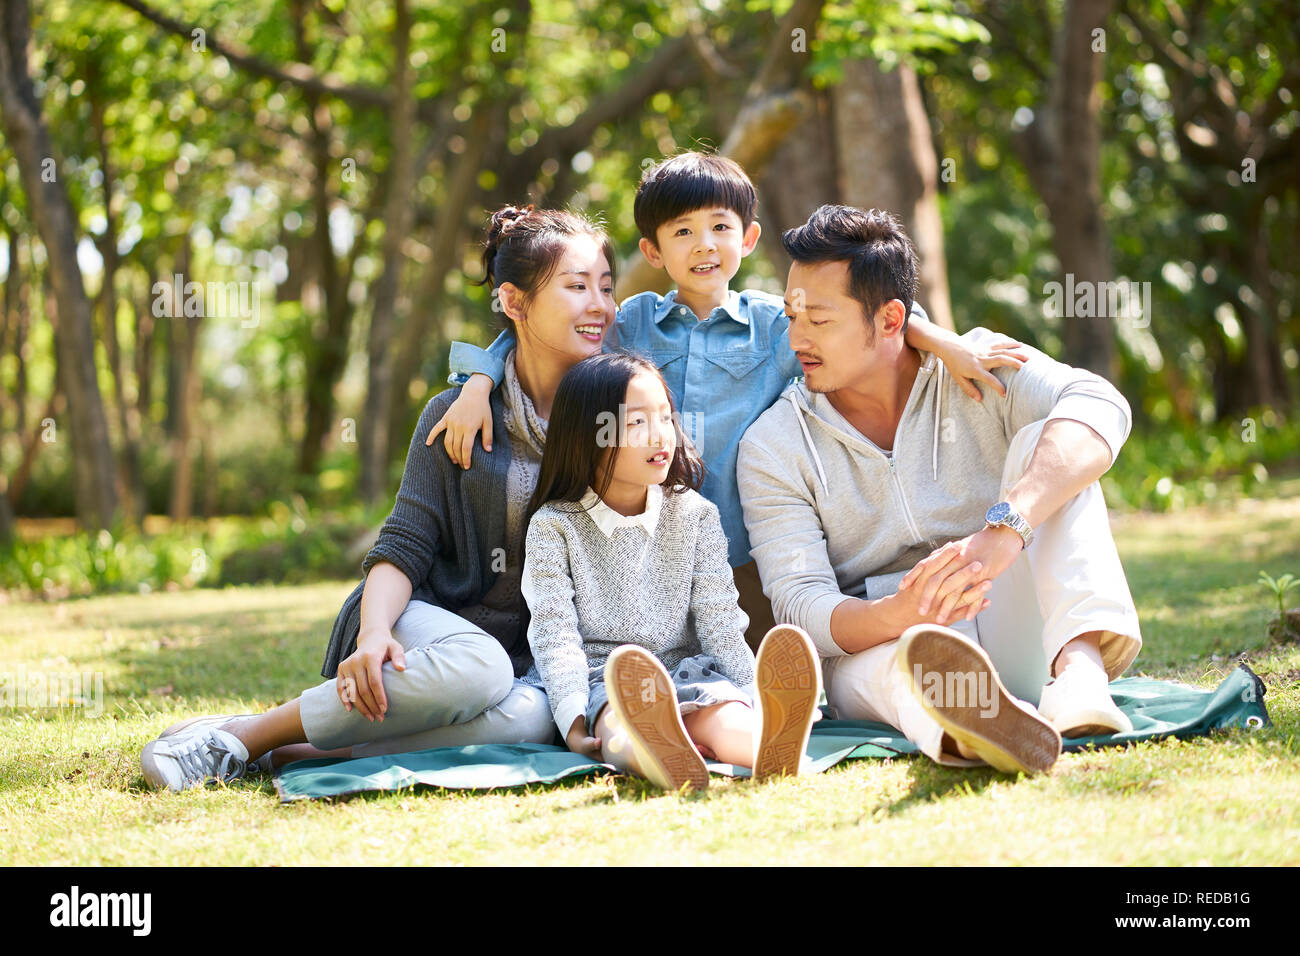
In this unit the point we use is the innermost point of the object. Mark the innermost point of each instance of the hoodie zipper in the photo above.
(898, 486)
(893, 472)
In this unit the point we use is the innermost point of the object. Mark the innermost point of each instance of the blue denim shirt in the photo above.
(723, 372)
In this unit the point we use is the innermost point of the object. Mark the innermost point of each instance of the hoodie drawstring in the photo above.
(938, 405)
(803, 426)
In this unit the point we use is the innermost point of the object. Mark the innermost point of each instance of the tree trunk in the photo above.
(132, 479)
(887, 161)
(22, 322)
(183, 336)
(328, 354)
(55, 221)
(445, 253)
(397, 224)
(798, 175)
(53, 409)
(144, 350)
(1061, 150)
(1263, 348)
(13, 280)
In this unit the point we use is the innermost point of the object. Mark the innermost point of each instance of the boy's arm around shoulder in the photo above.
(466, 360)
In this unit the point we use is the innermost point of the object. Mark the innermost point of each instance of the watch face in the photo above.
(998, 513)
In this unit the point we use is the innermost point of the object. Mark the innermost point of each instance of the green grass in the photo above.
(71, 790)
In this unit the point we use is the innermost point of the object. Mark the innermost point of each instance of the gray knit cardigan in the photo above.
(443, 532)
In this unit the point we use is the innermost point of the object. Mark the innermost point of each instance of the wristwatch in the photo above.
(1002, 515)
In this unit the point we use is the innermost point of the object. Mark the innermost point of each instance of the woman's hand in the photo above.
(360, 677)
(579, 742)
(968, 366)
(469, 414)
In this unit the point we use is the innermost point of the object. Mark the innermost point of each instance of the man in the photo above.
(882, 506)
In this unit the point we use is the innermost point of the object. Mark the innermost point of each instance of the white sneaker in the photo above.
(259, 766)
(1078, 704)
(193, 757)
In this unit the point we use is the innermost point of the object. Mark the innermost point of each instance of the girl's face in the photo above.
(569, 315)
(649, 439)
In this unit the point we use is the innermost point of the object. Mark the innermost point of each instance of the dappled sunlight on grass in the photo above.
(71, 790)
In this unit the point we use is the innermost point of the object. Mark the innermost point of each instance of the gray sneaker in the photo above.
(261, 765)
(192, 758)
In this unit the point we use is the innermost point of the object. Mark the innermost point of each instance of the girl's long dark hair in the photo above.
(588, 400)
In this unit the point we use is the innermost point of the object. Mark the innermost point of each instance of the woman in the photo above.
(427, 651)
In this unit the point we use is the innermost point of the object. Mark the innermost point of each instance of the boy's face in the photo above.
(702, 250)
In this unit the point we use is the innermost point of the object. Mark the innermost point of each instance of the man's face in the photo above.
(828, 331)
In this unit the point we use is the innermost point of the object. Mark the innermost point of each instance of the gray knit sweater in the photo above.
(446, 530)
(659, 580)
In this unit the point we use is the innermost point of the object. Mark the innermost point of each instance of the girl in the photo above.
(627, 581)
(427, 650)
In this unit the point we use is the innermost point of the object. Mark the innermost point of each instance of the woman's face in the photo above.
(569, 315)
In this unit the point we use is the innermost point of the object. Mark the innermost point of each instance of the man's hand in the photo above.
(578, 741)
(469, 414)
(360, 677)
(940, 579)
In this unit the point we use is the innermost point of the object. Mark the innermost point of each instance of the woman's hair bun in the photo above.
(505, 219)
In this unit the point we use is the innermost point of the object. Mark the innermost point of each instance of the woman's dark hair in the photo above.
(882, 260)
(579, 452)
(687, 182)
(524, 244)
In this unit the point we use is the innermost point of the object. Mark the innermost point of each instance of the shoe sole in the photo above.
(643, 697)
(1014, 739)
(789, 684)
(1090, 723)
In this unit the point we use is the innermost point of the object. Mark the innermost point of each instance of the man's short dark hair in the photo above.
(882, 260)
(689, 181)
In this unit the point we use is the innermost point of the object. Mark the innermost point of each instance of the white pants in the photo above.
(458, 688)
(1067, 582)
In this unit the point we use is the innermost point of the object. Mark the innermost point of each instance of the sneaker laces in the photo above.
(207, 757)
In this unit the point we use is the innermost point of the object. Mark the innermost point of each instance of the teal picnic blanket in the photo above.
(1157, 708)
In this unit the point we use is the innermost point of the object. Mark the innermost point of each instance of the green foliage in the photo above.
(291, 543)
(1168, 467)
(1279, 588)
(293, 546)
(889, 31)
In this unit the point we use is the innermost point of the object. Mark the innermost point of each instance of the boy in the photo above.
(725, 355)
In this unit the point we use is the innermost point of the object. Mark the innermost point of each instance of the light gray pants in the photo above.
(458, 688)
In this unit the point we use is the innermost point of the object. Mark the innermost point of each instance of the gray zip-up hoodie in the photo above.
(830, 515)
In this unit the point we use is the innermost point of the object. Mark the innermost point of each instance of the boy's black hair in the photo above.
(690, 181)
(882, 260)
(589, 397)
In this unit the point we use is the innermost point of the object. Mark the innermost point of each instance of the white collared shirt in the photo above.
(607, 519)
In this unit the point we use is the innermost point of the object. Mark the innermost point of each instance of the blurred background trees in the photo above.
(332, 164)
